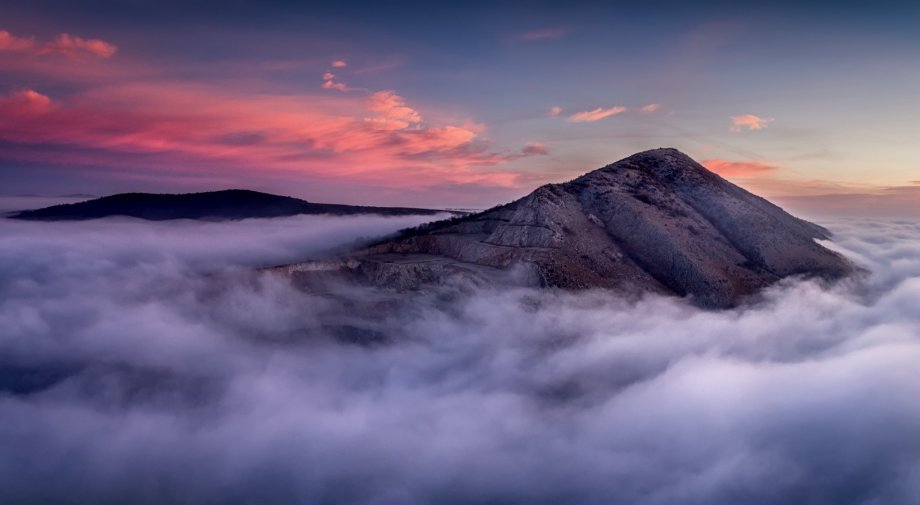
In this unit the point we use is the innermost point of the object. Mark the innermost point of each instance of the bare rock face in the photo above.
(654, 222)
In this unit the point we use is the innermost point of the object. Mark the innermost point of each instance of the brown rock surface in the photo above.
(656, 221)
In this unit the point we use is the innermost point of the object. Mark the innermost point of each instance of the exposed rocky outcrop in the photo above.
(654, 222)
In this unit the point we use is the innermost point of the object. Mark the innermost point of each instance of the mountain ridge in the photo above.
(223, 204)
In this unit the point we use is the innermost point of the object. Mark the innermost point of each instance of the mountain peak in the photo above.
(656, 221)
(666, 163)
(664, 155)
(661, 152)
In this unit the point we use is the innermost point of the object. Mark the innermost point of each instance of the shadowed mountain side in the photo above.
(227, 204)
(654, 222)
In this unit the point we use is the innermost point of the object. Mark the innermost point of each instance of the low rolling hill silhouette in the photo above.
(215, 205)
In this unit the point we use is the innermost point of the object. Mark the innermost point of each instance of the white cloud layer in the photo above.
(140, 364)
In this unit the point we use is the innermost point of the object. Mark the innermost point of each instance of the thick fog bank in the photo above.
(143, 363)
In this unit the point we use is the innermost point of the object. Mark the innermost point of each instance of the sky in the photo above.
(465, 105)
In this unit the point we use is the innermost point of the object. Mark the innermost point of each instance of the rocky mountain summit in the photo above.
(656, 221)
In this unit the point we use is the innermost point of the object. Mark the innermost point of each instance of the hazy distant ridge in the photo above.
(214, 205)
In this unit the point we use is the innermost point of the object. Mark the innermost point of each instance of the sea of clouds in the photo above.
(150, 363)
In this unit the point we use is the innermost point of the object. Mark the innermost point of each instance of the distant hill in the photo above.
(215, 205)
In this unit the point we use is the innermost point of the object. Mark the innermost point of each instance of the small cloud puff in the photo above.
(535, 149)
(749, 122)
(596, 114)
(329, 82)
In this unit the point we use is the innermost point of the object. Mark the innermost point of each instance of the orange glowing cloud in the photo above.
(554, 111)
(64, 43)
(650, 108)
(339, 64)
(728, 168)
(596, 114)
(749, 122)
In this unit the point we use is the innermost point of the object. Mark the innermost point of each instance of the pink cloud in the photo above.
(129, 118)
(392, 111)
(26, 102)
(64, 43)
(434, 140)
(596, 114)
(749, 121)
(339, 64)
(554, 111)
(728, 168)
(543, 34)
(650, 108)
(535, 149)
(10, 42)
(166, 127)
(329, 82)
(76, 46)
